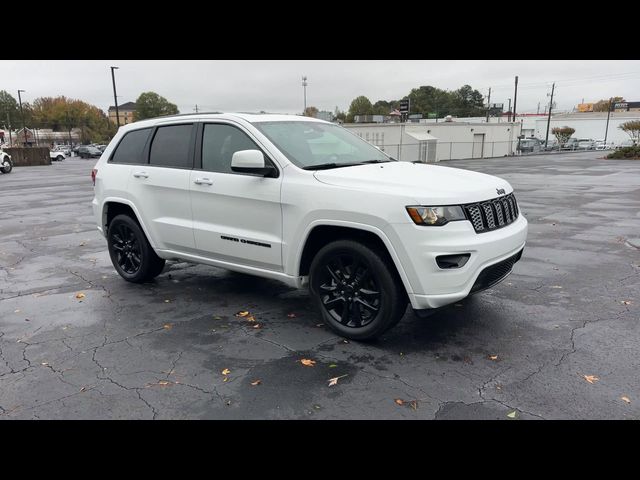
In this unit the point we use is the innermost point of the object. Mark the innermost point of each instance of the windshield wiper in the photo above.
(326, 166)
(376, 161)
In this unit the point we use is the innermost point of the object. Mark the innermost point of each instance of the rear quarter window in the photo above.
(131, 147)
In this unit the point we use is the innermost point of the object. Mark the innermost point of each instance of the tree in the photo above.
(9, 110)
(563, 134)
(603, 105)
(632, 128)
(311, 112)
(359, 106)
(150, 104)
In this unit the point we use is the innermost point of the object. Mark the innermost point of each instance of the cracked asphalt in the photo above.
(570, 309)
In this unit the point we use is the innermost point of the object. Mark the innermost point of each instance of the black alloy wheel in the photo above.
(127, 249)
(6, 166)
(130, 251)
(349, 292)
(357, 288)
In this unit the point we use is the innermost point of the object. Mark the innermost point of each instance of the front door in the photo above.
(478, 145)
(237, 218)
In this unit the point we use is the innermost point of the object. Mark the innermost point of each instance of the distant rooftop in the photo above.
(129, 107)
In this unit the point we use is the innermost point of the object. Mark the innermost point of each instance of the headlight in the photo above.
(436, 215)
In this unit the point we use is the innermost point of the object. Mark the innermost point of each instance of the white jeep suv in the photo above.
(309, 203)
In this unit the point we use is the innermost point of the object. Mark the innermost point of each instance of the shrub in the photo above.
(626, 152)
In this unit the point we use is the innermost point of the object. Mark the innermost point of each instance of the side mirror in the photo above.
(251, 161)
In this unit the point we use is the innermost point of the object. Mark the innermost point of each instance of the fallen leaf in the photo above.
(243, 313)
(44, 364)
(226, 371)
(163, 383)
(83, 389)
(226, 379)
(167, 301)
(414, 404)
(626, 302)
(80, 295)
(591, 378)
(307, 363)
(399, 401)
(291, 315)
(257, 382)
(345, 341)
(257, 325)
(556, 286)
(333, 365)
(17, 311)
(513, 414)
(250, 318)
(319, 324)
(493, 357)
(167, 326)
(334, 380)
(82, 244)
(625, 399)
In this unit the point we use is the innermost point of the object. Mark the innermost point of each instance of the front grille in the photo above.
(492, 214)
(494, 273)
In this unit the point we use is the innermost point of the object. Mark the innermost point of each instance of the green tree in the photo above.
(359, 106)
(563, 134)
(382, 107)
(150, 105)
(9, 110)
(632, 128)
(603, 105)
(311, 112)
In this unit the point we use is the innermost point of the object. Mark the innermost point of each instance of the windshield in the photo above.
(313, 144)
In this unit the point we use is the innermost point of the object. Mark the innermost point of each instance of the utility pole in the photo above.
(488, 104)
(196, 109)
(538, 111)
(509, 110)
(24, 128)
(515, 99)
(606, 131)
(115, 96)
(9, 127)
(304, 87)
(546, 138)
(69, 129)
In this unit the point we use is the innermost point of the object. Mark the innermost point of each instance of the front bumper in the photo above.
(418, 247)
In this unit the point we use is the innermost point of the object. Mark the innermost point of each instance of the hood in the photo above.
(425, 183)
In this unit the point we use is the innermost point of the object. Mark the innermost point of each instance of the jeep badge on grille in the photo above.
(500, 191)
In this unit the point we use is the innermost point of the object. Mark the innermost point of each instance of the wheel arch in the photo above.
(116, 206)
(319, 234)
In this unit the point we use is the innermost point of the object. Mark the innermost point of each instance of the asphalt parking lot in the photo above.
(558, 339)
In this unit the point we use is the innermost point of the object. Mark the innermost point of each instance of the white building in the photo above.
(445, 140)
(589, 125)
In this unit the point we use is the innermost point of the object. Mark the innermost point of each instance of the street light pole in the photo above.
(24, 128)
(304, 86)
(515, 99)
(546, 138)
(488, 104)
(115, 96)
(606, 131)
(509, 110)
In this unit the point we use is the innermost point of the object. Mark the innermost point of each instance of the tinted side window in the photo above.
(170, 146)
(219, 143)
(130, 148)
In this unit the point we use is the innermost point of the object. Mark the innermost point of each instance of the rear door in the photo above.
(160, 188)
(236, 217)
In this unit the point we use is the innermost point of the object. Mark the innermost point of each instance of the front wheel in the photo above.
(130, 251)
(357, 290)
(6, 166)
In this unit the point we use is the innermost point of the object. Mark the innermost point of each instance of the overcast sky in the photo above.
(275, 86)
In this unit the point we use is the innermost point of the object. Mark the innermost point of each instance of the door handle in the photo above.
(141, 175)
(203, 181)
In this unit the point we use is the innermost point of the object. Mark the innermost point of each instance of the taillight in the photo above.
(94, 172)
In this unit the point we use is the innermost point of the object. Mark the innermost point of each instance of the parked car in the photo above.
(571, 144)
(88, 152)
(6, 165)
(308, 203)
(601, 145)
(63, 148)
(530, 145)
(586, 144)
(625, 144)
(56, 156)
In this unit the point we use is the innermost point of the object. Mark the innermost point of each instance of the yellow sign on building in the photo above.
(585, 107)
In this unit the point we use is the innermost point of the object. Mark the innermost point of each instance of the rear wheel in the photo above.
(130, 251)
(6, 166)
(357, 290)
(60, 158)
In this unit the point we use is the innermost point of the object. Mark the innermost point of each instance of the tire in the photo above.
(373, 299)
(60, 158)
(131, 254)
(7, 166)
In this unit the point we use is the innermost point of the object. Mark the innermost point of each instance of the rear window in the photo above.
(170, 146)
(130, 148)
